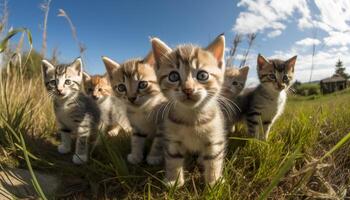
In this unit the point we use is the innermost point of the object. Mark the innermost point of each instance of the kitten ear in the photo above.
(291, 63)
(86, 77)
(149, 59)
(217, 48)
(46, 66)
(111, 66)
(77, 66)
(262, 61)
(244, 71)
(159, 49)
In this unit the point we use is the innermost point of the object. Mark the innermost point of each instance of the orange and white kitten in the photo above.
(135, 82)
(113, 111)
(191, 78)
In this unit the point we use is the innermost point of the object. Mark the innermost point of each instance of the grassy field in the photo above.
(296, 162)
(307, 155)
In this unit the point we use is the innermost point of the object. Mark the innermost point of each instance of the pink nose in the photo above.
(188, 91)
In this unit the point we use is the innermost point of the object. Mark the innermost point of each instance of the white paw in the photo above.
(154, 160)
(134, 159)
(217, 182)
(113, 132)
(63, 149)
(79, 159)
(174, 183)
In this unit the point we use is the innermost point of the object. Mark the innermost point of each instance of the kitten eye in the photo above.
(143, 84)
(68, 82)
(285, 79)
(99, 89)
(174, 76)
(202, 76)
(52, 82)
(234, 83)
(272, 76)
(121, 87)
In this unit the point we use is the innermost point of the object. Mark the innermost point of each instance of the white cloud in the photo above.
(337, 38)
(270, 14)
(274, 33)
(308, 42)
(335, 14)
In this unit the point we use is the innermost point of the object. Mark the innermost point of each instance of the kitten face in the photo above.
(97, 87)
(276, 74)
(62, 81)
(190, 75)
(235, 80)
(134, 81)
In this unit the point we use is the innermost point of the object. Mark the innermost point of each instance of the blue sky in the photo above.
(120, 29)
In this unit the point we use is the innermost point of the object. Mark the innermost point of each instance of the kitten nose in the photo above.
(132, 99)
(59, 90)
(187, 91)
(95, 97)
(281, 86)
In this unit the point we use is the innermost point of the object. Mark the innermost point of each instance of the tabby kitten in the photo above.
(262, 105)
(191, 77)
(235, 80)
(76, 114)
(234, 83)
(135, 82)
(113, 111)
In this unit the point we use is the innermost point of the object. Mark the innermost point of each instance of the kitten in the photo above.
(76, 114)
(234, 83)
(113, 111)
(191, 77)
(262, 105)
(135, 82)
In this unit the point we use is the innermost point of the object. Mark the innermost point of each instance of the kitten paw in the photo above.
(79, 159)
(175, 183)
(217, 182)
(154, 160)
(134, 159)
(63, 149)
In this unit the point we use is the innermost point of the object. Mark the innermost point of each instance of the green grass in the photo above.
(307, 154)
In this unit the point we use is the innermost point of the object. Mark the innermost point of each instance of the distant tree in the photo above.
(340, 69)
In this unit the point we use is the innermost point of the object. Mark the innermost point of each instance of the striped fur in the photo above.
(262, 105)
(76, 114)
(191, 78)
(113, 110)
(135, 83)
(234, 83)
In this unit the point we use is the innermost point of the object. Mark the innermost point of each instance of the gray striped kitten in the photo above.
(76, 114)
(191, 78)
(262, 105)
(135, 83)
(113, 110)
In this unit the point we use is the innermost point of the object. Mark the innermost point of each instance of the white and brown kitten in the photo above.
(262, 105)
(113, 110)
(191, 78)
(76, 114)
(135, 82)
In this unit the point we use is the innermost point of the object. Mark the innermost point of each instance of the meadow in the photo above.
(306, 157)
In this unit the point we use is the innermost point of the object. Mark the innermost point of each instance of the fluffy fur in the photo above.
(113, 110)
(76, 114)
(191, 78)
(262, 105)
(135, 82)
